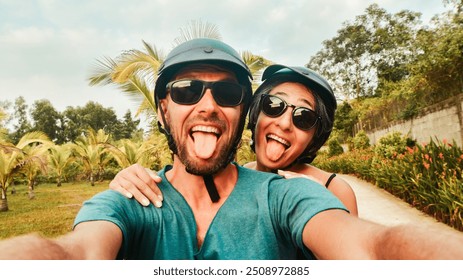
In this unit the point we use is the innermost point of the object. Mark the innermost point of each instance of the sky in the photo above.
(48, 48)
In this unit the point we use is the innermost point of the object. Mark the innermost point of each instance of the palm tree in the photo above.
(128, 152)
(134, 71)
(36, 163)
(90, 149)
(14, 157)
(60, 157)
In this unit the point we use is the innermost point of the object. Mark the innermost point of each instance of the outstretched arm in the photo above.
(89, 240)
(140, 183)
(334, 234)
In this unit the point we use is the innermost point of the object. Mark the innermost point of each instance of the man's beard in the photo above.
(213, 165)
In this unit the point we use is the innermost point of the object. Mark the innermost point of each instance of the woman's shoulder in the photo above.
(327, 178)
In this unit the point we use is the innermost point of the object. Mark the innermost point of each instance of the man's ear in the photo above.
(162, 107)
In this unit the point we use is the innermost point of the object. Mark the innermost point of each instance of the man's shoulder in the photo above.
(256, 174)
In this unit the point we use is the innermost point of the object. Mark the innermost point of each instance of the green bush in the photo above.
(334, 148)
(429, 177)
(361, 141)
(391, 145)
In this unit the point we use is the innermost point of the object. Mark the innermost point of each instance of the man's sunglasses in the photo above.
(303, 118)
(188, 92)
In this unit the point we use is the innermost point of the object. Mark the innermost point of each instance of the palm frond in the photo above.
(146, 108)
(102, 72)
(32, 137)
(9, 148)
(254, 62)
(198, 29)
(137, 86)
(153, 51)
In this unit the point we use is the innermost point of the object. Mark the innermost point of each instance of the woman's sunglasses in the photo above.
(303, 118)
(189, 92)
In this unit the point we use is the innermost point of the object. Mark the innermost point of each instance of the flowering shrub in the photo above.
(428, 176)
(361, 140)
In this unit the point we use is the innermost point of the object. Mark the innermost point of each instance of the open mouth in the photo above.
(205, 129)
(279, 140)
(275, 147)
(205, 140)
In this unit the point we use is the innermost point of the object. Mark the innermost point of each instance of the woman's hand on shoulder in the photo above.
(140, 183)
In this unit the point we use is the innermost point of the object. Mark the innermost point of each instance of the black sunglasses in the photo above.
(189, 92)
(303, 118)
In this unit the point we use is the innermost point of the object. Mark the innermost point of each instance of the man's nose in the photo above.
(207, 102)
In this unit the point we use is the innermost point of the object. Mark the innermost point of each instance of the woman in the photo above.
(290, 118)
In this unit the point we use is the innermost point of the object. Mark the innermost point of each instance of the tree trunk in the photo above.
(92, 180)
(3, 202)
(13, 189)
(31, 190)
(59, 181)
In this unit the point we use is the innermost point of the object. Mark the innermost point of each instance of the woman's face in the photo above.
(278, 141)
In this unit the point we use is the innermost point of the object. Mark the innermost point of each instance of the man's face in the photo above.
(203, 132)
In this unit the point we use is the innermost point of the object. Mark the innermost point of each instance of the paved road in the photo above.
(378, 205)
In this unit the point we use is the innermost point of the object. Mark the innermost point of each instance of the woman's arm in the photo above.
(340, 188)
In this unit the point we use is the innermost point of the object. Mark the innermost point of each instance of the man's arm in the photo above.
(334, 234)
(89, 240)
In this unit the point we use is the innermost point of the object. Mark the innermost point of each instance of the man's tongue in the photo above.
(274, 150)
(204, 144)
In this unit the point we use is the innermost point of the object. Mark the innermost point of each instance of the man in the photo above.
(214, 209)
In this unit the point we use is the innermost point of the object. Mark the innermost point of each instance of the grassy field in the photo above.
(50, 213)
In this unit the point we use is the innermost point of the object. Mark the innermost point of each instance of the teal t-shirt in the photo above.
(263, 218)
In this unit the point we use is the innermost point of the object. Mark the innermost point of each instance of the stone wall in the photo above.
(440, 121)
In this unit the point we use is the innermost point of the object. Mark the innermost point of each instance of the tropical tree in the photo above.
(128, 152)
(36, 164)
(90, 150)
(135, 71)
(14, 157)
(3, 118)
(368, 53)
(59, 158)
(22, 125)
(47, 119)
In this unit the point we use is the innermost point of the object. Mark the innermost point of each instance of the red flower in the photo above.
(426, 165)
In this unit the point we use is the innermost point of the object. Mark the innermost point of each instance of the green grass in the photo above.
(52, 211)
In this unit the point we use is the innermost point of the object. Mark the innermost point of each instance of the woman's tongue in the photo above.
(204, 144)
(274, 150)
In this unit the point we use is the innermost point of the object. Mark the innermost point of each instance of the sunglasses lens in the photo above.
(304, 118)
(227, 94)
(186, 92)
(273, 106)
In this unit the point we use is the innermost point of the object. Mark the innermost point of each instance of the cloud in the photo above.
(48, 47)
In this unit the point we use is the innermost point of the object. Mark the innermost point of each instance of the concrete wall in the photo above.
(440, 121)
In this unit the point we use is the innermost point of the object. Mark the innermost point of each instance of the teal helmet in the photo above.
(325, 106)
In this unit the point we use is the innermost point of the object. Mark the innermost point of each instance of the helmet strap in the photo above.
(165, 131)
(211, 188)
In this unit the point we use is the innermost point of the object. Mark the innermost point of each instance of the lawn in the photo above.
(50, 213)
